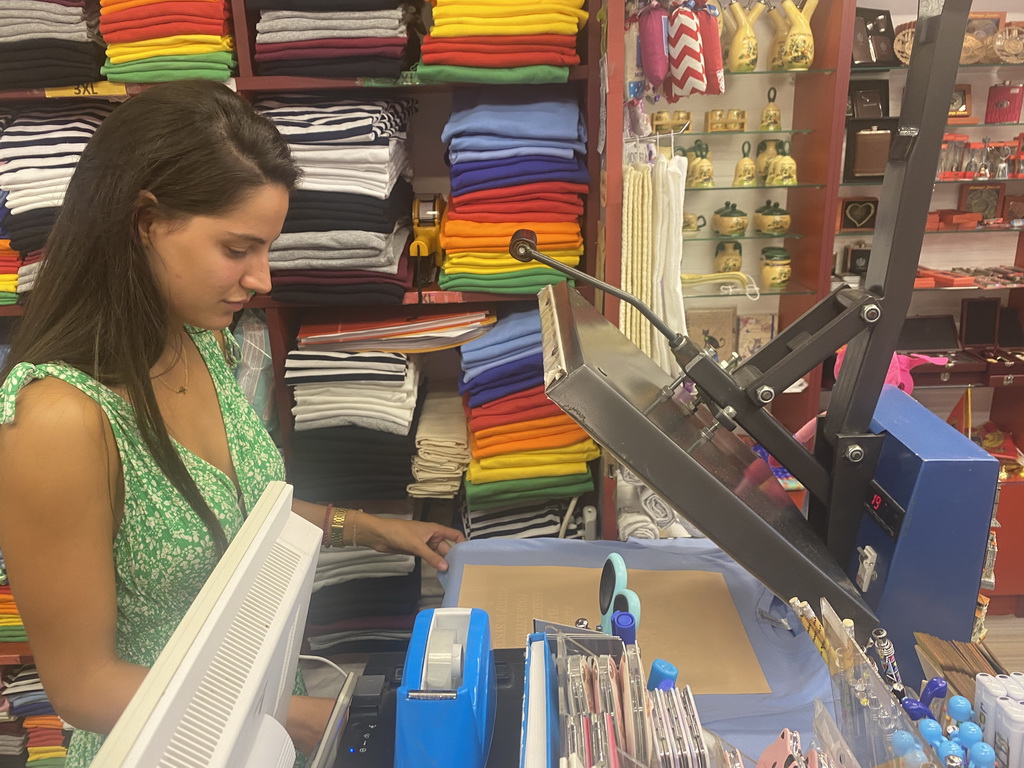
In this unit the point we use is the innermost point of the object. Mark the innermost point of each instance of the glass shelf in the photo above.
(781, 72)
(937, 181)
(713, 290)
(758, 186)
(981, 125)
(903, 68)
(734, 133)
(708, 238)
(982, 231)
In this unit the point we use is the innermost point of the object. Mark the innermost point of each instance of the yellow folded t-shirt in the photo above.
(477, 474)
(485, 11)
(468, 228)
(509, 3)
(477, 27)
(177, 45)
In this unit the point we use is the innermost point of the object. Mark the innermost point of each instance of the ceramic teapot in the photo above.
(731, 222)
(772, 219)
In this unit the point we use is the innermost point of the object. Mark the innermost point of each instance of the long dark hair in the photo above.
(198, 149)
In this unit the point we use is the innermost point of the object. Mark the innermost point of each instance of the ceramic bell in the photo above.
(771, 115)
(743, 46)
(766, 152)
(746, 169)
(782, 169)
(701, 172)
(798, 51)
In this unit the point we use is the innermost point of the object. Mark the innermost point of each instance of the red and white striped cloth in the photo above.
(686, 73)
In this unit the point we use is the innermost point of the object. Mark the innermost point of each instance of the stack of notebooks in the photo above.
(345, 239)
(311, 38)
(526, 452)
(161, 41)
(46, 43)
(516, 163)
(502, 41)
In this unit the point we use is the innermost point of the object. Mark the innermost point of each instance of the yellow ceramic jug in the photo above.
(798, 52)
(746, 169)
(776, 62)
(743, 46)
(766, 152)
(771, 115)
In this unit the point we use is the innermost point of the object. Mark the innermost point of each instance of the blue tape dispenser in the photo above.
(448, 696)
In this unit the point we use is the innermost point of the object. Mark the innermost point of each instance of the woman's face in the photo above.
(208, 266)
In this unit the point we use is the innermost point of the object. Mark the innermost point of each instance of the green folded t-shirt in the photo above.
(486, 495)
(448, 73)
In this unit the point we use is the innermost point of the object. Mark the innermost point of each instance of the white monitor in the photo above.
(219, 692)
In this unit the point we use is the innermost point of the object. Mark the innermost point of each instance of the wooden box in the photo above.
(980, 335)
(936, 335)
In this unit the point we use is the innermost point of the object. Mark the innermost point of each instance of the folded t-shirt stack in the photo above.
(39, 150)
(46, 43)
(502, 41)
(525, 448)
(346, 234)
(45, 742)
(13, 741)
(442, 444)
(153, 42)
(354, 39)
(516, 163)
(355, 416)
(10, 262)
(12, 629)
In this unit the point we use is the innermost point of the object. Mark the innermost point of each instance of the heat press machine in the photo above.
(899, 504)
(447, 701)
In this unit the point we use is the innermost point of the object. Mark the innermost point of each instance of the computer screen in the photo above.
(218, 694)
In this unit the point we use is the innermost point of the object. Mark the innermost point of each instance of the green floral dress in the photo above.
(163, 552)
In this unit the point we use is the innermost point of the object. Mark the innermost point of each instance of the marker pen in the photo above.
(624, 627)
(1008, 735)
(887, 658)
(987, 688)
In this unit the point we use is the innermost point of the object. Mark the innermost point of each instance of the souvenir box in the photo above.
(992, 333)
(936, 336)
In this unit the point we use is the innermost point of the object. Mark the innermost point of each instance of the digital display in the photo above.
(884, 509)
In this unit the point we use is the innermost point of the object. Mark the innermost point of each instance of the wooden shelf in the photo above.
(756, 186)
(719, 238)
(101, 89)
(408, 81)
(929, 232)
(15, 653)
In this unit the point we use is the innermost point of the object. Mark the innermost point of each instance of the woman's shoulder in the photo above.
(55, 410)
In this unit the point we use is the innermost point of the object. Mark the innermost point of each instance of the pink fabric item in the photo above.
(899, 368)
(654, 43)
(685, 56)
(713, 63)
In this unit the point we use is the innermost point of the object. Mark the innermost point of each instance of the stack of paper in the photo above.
(427, 333)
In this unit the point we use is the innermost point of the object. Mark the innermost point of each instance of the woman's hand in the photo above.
(307, 721)
(406, 537)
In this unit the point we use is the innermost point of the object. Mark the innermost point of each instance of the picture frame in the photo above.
(960, 106)
(857, 214)
(714, 329)
(1013, 207)
(984, 24)
(868, 99)
(985, 198)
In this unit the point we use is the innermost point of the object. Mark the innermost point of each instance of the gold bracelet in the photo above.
(338, 527)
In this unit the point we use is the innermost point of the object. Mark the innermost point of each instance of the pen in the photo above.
(887, 658)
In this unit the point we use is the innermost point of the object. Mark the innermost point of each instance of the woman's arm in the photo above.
(60, 480)
(408, 537)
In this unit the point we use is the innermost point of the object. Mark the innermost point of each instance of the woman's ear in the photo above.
(145, 215)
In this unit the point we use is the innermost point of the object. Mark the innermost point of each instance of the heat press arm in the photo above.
(673, 439)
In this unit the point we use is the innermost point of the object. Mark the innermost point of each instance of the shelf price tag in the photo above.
(99, 88)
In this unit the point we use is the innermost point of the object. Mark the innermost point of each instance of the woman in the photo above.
(130, 455)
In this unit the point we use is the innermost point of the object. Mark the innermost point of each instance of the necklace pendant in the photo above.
(182, 390)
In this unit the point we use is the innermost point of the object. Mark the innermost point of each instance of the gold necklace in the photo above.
(183, 389)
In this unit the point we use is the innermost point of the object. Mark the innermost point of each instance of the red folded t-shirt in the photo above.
(330, 42)
(153, 31)
(512, 216)
(297, 54)
(155, 11)
(522, 191)
(501, 42)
